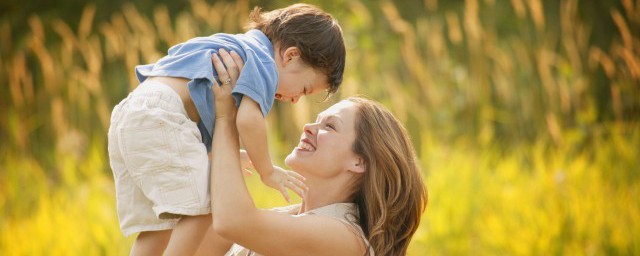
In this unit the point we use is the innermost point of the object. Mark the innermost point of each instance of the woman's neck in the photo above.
(324, 194)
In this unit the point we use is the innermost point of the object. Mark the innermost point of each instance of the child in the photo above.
(159, 155)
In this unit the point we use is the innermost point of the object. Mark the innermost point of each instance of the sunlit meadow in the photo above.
(525, 118)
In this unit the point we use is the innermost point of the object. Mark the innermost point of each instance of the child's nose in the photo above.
(294, 100)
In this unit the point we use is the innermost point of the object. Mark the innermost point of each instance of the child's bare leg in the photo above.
(213, 244)
(187, 235)
(151, 243)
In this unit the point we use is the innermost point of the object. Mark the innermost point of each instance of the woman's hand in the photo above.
(228, 65)
(245, 162)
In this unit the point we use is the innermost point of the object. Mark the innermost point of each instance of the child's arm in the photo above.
(253, 133)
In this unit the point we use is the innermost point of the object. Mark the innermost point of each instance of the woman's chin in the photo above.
(290, 159)
(296, 158)
(299, 152)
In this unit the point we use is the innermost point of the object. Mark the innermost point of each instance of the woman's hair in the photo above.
(390, 195)
(316, 33)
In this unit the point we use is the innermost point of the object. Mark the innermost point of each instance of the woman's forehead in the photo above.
(340, 109)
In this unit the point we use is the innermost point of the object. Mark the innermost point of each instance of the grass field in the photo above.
(525, 123)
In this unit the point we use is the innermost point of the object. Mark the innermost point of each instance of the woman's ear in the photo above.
(290, 54)
(358, 166)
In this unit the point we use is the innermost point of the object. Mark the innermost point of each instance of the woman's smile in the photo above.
(306, 145)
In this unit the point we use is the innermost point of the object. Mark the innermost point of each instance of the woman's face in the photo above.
(325, 147)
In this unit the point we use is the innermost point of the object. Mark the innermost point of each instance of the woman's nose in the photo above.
(308, 129)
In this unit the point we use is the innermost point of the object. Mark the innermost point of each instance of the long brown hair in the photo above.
(316, 33)
(390, 195)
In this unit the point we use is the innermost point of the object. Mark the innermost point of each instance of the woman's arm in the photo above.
(237, 219)
(213, 245)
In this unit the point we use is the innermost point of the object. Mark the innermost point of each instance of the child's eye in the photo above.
(330, 126)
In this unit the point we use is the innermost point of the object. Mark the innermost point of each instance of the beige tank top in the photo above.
(345, 212)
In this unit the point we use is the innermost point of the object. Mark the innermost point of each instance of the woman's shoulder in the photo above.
(346, 213)
(342, 211)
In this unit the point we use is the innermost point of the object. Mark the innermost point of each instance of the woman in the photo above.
(364, 193)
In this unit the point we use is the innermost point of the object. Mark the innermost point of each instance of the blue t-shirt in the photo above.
(192, 60)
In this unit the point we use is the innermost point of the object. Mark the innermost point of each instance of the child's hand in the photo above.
(282, 179)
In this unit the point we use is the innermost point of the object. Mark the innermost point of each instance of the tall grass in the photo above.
(526, 127)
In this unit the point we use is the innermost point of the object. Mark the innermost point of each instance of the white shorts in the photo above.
(160, 166)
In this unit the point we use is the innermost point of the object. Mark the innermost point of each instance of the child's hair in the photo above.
(315, 32)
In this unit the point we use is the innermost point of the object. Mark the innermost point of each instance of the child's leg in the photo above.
(166, 162)
(135, 209)
(213, 244)
(151, 243)
(187, 235)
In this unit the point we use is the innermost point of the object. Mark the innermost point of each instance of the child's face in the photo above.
(297, 78)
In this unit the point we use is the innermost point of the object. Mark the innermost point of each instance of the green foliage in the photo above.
(524, 114)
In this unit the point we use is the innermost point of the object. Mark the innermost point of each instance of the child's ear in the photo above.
(290, 54)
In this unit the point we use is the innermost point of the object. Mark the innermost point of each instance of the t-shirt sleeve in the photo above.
(190, 59)
(258, 80)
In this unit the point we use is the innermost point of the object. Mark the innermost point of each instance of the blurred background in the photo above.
(524, 114)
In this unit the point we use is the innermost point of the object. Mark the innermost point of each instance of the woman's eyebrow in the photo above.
(334, 117)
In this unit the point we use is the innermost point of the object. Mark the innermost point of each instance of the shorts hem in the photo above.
(152, 227)
(182, 211)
